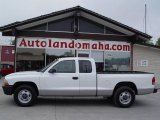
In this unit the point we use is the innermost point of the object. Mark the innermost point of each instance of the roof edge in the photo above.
(149, 45)
(16, 24)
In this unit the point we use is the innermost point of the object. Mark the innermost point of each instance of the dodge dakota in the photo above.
(75, 76)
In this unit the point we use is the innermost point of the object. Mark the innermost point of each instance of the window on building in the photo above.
(62, 25)
(35, 59)
(83, 53)
(52, 54)
(13, 51)
(30, 59)
(89, 26)
(99, 60)
(117, 61)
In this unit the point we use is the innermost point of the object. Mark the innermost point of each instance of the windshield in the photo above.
(45, 68)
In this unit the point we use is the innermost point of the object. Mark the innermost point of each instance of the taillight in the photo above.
(153, 81)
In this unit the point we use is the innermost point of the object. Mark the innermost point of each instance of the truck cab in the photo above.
(75, 76)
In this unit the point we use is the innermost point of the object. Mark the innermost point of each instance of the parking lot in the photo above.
(146, 107)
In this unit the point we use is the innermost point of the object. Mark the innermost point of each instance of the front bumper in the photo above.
(7, 89)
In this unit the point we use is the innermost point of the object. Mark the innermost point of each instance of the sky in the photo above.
(128, 12)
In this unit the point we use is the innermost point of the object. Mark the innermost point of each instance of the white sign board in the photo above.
(57, 43)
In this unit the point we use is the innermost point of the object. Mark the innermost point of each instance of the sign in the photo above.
(57, 43)
(7, 54)
(144, 63)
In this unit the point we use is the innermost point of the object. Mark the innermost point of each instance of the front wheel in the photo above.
(124, 97)
(25, 96)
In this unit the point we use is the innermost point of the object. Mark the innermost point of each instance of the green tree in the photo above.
(158, 42)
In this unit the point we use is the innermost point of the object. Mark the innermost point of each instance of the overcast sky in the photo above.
(128, 12)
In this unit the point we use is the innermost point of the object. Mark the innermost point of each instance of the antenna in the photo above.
(145, 19)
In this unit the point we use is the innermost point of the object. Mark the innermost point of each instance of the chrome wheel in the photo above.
(125, 98)
(24, 96)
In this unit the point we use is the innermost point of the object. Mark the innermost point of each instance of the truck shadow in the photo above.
(77, 102)
(74, 102)
(92, 102)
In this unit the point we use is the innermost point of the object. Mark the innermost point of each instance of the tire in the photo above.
(124, 97)
(25, 96)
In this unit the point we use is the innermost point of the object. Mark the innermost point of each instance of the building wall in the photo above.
(7, 54)
(146, 59)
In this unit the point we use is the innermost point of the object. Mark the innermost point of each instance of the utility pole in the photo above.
(145, 19)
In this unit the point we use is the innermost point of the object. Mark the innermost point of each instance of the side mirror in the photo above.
(52, 71)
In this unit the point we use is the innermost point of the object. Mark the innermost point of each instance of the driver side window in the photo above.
(66, 66)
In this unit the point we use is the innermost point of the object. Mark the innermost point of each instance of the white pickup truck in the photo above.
(78, 77)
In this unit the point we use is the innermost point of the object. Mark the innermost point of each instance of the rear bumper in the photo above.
(7, 89)
(147, 91)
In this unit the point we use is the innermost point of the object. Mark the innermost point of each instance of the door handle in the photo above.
(74, 78)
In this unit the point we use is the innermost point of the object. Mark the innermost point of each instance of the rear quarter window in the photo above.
(85, 66)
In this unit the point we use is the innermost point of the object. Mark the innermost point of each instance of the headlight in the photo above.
(5, 82)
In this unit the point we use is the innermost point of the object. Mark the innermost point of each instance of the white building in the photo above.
(147, 58)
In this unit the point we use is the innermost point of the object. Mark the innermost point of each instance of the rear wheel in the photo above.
(124, 97)
(25, 95)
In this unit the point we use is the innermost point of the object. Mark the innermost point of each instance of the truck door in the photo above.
(63, 81)
(87, 77)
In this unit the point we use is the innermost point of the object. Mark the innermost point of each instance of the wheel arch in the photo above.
(32, 84)
(128, 84)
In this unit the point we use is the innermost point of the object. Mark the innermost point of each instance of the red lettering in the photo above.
(50, 43)
(85, 46)
(114, 47)
(43, 43)
(106, 46)
(100, 46)
(23, 43)
(63, 45)
(94, 46)
(126, 48)
(37, 43)
(30, 43)
(119, 47)
(56, 44)
(71, 44)
(78, 45)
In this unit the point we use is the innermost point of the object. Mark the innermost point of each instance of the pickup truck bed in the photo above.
(123, 72)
